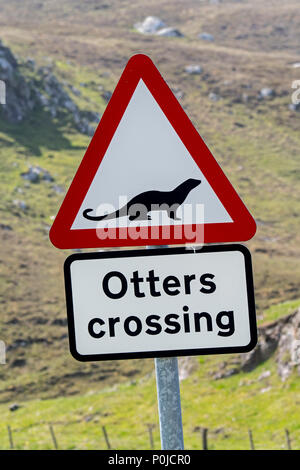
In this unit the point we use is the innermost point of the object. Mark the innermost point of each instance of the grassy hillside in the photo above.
(256, 141)
(227, 407)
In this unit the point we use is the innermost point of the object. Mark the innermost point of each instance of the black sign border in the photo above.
(157, 252)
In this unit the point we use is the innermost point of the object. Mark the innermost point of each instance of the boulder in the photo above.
(206, 37)
(20, 362)
(31, 63)
(150, 25)
(5, 227)
(75, 90)
(169, 32)
(35, 174)
(69, 105)
(266, 93)
(106, 95)
(264, 375)
(154, 25)
(294, 106)
(58, 189)
(21, 205)
(265, 389)
(84, 126)
(14, 407)
(214, 97)
(193, 69)
(32, 175)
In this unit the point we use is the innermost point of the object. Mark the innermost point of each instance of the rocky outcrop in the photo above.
(20, 94)
(54, 98)
(280, 339)
(288, 351)
(35, 174)
(24, 94)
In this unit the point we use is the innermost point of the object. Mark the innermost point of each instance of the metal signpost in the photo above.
(169, 403)
(148, 179)
(169, 406)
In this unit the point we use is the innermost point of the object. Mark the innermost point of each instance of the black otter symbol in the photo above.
(139, 206)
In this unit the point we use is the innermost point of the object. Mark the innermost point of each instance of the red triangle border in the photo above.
(140, 67)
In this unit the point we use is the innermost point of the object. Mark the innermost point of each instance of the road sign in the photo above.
(162, 302)
(147, 177)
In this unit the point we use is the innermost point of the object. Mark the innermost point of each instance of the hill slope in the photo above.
(228, 407)
(85, 46)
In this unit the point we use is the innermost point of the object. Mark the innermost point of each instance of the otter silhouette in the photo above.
(139, 206)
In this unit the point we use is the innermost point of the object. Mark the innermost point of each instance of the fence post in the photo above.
(11, 442)
(288, 439)
(251, 440)
(204, 439)
(106, 437)
(150, 427)
(53, 436)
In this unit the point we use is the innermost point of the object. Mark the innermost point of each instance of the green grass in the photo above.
(275, 312)
(227, 407)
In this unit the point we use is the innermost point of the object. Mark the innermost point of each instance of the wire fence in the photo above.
(93, 435)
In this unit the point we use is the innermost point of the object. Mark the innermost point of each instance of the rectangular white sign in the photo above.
(160, 302)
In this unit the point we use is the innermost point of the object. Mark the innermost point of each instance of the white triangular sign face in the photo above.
(146, 154)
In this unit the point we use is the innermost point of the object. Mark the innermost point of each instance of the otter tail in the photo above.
(113, 215)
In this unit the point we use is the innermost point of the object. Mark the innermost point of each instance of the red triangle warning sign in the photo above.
(147, 177)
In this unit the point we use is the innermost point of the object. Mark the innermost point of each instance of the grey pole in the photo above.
(169, 405)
